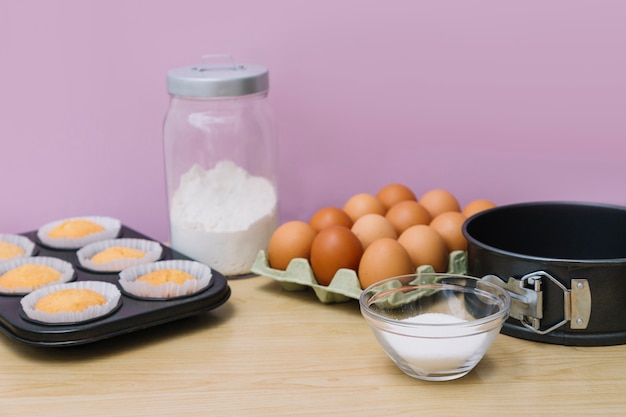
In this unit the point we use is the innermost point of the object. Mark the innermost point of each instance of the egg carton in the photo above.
(345, 284)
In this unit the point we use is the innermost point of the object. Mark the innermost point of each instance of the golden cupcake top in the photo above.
(74, 229)
(69, 300)
(117, 252)
(164, 276)
(10, 250)
(29, 276)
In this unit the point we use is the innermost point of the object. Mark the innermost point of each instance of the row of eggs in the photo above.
(379, 236)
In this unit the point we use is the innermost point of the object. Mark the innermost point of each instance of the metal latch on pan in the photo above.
(527, 300)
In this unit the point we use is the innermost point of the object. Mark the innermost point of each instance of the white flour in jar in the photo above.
(222, 217)
(433, 352)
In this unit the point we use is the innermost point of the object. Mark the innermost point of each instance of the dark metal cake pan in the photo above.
(564, 264)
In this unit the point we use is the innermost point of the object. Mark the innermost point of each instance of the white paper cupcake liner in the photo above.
(152, 249)
(109, 291)
(22, 241)
(128, 279)
(65, 268)
(111, 230)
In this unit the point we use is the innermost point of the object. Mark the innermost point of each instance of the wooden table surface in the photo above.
(269, 352)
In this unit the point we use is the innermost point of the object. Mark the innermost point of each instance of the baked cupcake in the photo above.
(166, 279)
(77, 232)
(23, 275)
(15, 246)
(114, 255)
(72, 302)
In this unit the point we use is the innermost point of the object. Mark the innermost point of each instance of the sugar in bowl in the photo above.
(435, 327)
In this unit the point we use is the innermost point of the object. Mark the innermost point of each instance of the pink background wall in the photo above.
(513, 101)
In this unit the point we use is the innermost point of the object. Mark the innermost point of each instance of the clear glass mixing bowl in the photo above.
(435, 327)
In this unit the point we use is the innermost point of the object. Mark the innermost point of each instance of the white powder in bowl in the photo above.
(436, 349)
(222, 217)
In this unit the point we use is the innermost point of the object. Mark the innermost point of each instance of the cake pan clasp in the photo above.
(527, 300)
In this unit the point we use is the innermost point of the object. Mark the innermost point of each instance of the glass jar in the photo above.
(220, 163)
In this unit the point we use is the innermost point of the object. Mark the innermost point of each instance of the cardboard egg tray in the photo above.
(345, 284)
(132, 314)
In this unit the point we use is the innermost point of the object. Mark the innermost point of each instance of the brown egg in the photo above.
(290, 240)
(450, 226)
(329, 216)
(384, 258)
(425, 247)
(406, 214)
(333, 248)
(361, 204)
(477, 206)
(392, 194)
(439, 201)
(372, 226)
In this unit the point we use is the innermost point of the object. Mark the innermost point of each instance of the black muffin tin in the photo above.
(133, 314)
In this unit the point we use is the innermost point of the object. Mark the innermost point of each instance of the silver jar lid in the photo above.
(217, 76)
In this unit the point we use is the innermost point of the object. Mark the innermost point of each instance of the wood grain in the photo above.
(274, 353)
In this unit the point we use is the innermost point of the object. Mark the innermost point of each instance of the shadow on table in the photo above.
(135, 340)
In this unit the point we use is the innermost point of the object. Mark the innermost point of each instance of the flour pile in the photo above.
(223, 216)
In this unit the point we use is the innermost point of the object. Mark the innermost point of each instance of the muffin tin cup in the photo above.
(65, 268)
(109, 291)
(152, 250)
(111, 230)
(21, 241)
(202, 273)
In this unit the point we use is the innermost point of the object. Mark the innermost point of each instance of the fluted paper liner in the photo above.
(202, 273)
(22, 241)
(109, 291)
(65, 268)
(152, 249)
(111, 226)
(345, 284)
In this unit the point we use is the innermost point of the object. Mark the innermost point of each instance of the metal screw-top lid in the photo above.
(217, 76)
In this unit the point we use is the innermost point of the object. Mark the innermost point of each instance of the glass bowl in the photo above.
(435, 327)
